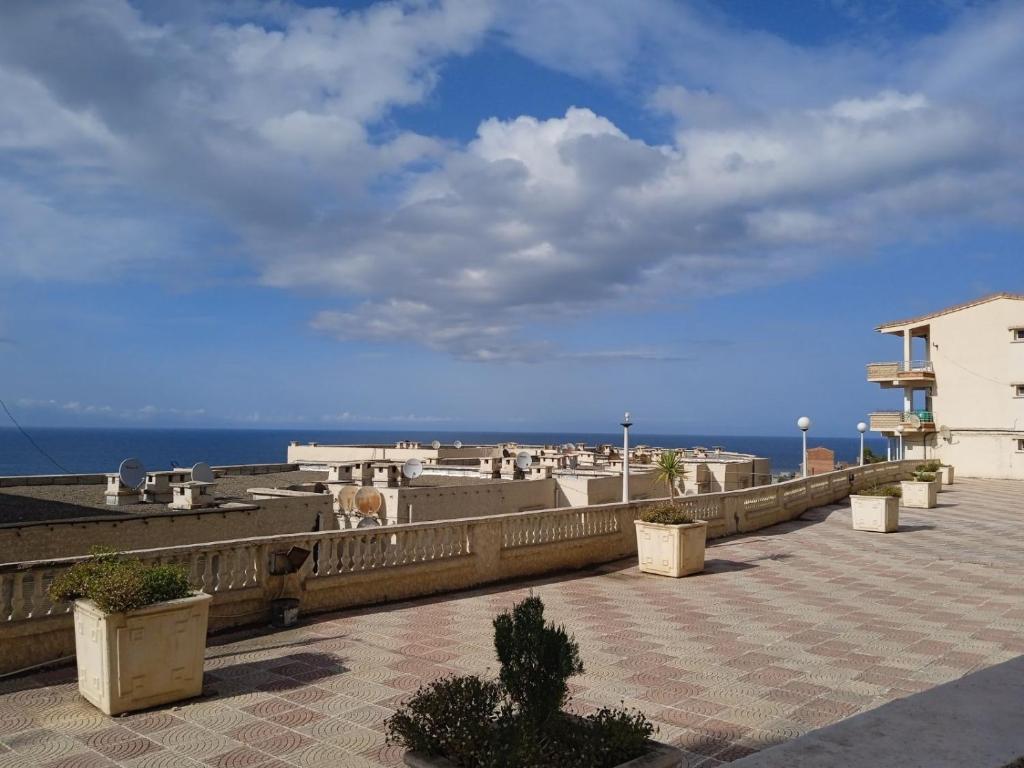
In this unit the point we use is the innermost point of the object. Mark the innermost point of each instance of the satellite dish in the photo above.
(202, 473)
(367, 501)
(131, 473)
(412, 469)
(458, 443)
(946, 433)
(347, 498)
(523, 460)
(368, 522)
(914, 421)
(436, 444)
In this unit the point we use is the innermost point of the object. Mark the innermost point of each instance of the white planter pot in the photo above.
(671, 550)
(660, 756)
(946, 472)
(875, 513)
(919, 495)
(142, 658)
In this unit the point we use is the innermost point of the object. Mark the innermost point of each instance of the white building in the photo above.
(961, 377)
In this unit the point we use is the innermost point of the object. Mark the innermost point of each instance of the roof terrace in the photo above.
(789, 629)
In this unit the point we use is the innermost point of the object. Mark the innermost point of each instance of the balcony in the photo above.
(913, 422)
(917, 373)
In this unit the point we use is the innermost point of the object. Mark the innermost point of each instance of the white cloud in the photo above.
(281, 129)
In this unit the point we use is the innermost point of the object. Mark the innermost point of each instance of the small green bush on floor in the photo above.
(518, 720)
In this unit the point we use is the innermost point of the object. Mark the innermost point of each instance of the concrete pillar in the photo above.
(908, 399)
(906, 347)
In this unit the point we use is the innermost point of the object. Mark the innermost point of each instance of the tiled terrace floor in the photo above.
(789, 629)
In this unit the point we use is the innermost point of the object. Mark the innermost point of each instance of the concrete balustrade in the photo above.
(364, 566)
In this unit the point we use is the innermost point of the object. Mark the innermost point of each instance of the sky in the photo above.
(476, 214)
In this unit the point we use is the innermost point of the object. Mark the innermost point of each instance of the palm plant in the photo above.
(670, 470)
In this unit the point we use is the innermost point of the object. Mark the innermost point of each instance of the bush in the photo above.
(883, 490)
(537, 660)
(924, 477)
(453, 716)
(118, 584)
(667, 514)
(870, 457)
(929, 466)
(517, 720)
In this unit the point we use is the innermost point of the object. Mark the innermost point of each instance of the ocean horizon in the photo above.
(101, 449)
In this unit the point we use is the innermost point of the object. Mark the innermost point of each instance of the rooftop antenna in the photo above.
(458, 444)
(946, 433)
(412, 469)
(436, 444)
(131, 473)
(914, 421)
(524, 460)
(202, 473)
(368, 522)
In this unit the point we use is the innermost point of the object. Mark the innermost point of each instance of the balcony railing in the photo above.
(900, 369)
(887, 421)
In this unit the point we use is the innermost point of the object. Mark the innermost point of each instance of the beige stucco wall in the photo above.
(457, 501)
(326, 454)
(68, 538)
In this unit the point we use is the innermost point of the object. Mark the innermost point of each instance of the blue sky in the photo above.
(477, 214)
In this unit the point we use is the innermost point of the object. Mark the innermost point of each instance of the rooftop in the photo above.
(887, 327)
(41, 503)
(791, 628)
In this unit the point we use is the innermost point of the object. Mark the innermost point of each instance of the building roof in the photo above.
(955, 308)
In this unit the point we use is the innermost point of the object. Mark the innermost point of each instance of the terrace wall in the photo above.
(165, 528)
(365, 566)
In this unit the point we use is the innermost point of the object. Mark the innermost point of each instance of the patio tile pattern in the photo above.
(789, 629)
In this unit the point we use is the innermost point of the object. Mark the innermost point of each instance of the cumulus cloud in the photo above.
(277, 126)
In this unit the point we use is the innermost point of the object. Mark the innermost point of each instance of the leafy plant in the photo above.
(667, 514)
(883, 490)
(669, 470)
(451, 716)
(870, 457)
(928, 466)
(118, 584)
(518, 719)
(924, 477)
(537, 660)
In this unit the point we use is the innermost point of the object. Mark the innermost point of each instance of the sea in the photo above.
(48, 450)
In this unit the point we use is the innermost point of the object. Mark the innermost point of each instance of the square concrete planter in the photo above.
(142, 658)
(875, 513)
(919, 494)
(946, 473)
(660, 756)
(671, 550)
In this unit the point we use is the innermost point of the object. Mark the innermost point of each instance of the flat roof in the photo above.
(955, 308)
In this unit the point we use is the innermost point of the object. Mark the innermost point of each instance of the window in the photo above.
(1018, 390)
(1018, 334)
(1020, 445)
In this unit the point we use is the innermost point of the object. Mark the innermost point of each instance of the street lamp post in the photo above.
(899, 433)
(862, 428)
(626, 424)
(804, 423)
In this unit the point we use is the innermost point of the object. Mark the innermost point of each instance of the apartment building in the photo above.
(961, 380)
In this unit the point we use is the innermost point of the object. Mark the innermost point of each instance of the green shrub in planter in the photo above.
(118, 584)
(667, 514)
(929, 466)
(518, 720)
(924, 477)
(882, 490)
